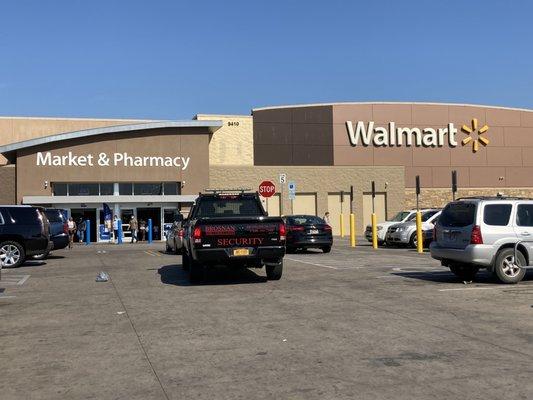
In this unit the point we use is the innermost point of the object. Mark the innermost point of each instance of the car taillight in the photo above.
(327, 228)
(197, 235)
(180, 233)
(282, 232)
(476, 237)
(65, 228)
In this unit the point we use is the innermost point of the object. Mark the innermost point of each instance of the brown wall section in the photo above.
(317, 135)
(293, 136)
(159, 142)
(7, 184)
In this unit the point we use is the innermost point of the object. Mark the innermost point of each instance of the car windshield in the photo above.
(230, 206)
(458, 214)
(400, 216)
(305, 220)
(428, 214)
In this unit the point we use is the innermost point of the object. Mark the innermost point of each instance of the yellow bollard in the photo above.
(352, 230)
(419, 237)
(342, 225)
(374, 231)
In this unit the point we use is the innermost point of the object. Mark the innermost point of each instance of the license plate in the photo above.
(313, 231)
(241, 252)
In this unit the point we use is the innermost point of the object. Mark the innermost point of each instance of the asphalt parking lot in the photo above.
(386, 324)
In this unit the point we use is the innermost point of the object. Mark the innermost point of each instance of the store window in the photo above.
(106, 189)
(59, 189)
(125, 189)
(147, 189)
(83, 189)
(171, 188)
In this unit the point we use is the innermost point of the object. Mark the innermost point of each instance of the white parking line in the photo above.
(500, 287)
(14, 280)
(310, 263)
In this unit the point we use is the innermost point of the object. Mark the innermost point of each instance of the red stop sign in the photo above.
(267, 189)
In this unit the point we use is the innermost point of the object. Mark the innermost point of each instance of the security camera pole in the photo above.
(341, 217)
(352, 220)
(419, 238)
(374, 220)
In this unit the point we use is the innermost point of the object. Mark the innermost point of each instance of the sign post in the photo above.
(419, 237)
(454, 184)
(282, 182)
(352, 220)
(374, 219)
(292, 194)
(341, 217)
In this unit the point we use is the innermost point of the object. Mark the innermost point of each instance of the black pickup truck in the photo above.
(232, 229)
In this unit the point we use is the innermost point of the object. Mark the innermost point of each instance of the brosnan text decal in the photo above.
(369, 134)
(114, 160)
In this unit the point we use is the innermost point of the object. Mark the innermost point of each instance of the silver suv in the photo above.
(482, 232)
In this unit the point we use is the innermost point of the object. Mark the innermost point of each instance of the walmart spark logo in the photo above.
(471, 130)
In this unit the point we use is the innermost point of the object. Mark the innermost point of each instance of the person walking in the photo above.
(133, 229)
(115, 229)
(80, 229)
(71, 225)
(327, 219)
(142, 229)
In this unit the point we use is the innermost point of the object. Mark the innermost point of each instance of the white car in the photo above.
(382, 227)
(405, 232)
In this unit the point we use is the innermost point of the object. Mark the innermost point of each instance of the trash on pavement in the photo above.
(102, 277)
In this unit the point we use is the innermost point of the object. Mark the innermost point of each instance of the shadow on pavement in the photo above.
(175, 275)
(482, 276)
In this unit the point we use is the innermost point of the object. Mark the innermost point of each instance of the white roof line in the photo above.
(386, 102)
(212, 125)
(77, 118)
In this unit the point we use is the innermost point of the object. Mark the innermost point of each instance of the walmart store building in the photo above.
(149, 168)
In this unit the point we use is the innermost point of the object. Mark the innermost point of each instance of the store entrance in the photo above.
(153, 213)
(85, 214)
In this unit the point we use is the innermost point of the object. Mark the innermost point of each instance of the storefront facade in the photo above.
(151, 168)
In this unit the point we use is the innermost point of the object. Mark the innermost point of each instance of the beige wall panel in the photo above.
(504, 156)
(7, 184)
(336, 208)
(272, 205)
(526, 118)
(460, 115)
(442, 176)
(399, 113)
(463, 156)
(503, 117)
(232, 144)
(380, 208)
(351, 112)
(304, 203)
(487, 177)
(349, 155)
(517, 136)
(428, 114)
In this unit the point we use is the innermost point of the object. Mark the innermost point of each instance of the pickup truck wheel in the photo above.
(326, 249)
(11, 254)
(274, 272)
(196, 271)
(507, 269)
(464, 272)
(185, 261)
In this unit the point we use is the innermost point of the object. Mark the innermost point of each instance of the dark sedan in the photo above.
(307, 232)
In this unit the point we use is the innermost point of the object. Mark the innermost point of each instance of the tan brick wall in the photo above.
(233, 144)
(7, 184)
(439, 197)
(319, 180)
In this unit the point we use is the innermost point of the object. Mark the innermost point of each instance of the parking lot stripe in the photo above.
(310, 263)
(522, 286)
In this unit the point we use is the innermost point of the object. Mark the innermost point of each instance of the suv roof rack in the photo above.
(494, 198)
(223, 191)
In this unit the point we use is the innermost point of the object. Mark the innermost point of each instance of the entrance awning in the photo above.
(107, 199)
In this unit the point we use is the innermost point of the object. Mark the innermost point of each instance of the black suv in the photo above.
(24, 232)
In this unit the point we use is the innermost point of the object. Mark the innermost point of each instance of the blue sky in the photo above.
(172, 59)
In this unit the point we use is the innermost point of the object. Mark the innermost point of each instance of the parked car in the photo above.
(405, 232)
(481, 232)
(232, 229)
(382, 227)
(174, 237)
(24, 232)
(307, 232)
(58, 230)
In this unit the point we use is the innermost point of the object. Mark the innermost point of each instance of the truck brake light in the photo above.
(197, 235)
(180, 233)
(65, 228)
(327, 228)
(282, 232)
(476, 237)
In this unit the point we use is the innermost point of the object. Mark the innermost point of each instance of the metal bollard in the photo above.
(119, 232)
(342, 225)
(352, 230)
(87, 233)
(419, 237)
(374, 231)
(149, 230)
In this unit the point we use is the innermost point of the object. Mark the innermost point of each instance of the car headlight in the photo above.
(401, 229)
